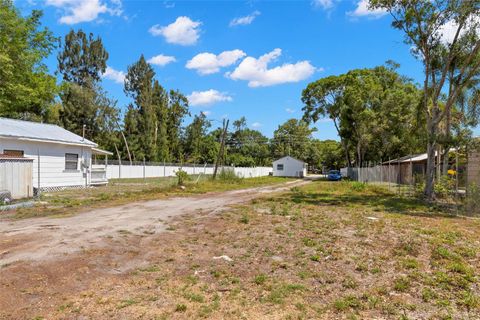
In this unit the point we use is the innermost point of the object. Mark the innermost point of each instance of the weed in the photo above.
(280, 292)
(349, 283)
(410, 263)
(309, 242)
(194, 297)
(244, 219)
(260, 279)
(126, 303)
(347, 302)
(180, 308)
(401, 284)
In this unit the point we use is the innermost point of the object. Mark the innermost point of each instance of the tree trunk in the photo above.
(431, 147)
(347, 154)
(359, 155)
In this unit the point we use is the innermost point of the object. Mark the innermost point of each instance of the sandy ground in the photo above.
(41, 239)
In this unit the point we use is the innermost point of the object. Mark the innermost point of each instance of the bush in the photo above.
(358, 186)
(228, 175)
(182, 177)
(444, 186)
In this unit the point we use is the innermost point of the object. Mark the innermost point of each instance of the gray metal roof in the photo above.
(27, 130)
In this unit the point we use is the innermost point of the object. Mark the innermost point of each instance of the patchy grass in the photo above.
(121, 191)
(311, 253)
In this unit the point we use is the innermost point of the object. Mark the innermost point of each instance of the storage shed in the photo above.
(289, 167)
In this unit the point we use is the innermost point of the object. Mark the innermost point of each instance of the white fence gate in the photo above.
(16, 177)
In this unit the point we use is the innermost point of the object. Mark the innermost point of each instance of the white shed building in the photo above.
(289, 167)
(60, 157)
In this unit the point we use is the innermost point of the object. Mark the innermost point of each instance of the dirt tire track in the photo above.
(40, 239)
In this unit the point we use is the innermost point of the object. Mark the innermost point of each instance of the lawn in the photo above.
(121, 191)
(324, 251)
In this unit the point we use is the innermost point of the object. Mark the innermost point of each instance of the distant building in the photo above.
(60, 157)
(289, 167)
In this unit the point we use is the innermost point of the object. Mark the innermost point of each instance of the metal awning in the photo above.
(101, 152)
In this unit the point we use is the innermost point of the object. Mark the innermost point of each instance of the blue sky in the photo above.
(235, 58)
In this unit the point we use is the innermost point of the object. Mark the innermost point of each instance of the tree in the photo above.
(375, 112)
(444, 36)
(154, 121)
(139, 86)
(178, 109)
(27, 91)
(326, 154)
(292, 138)
(83, 59)
(84, 103)
(247, 147)
(160, 103)
(195, 138)
(98, 113)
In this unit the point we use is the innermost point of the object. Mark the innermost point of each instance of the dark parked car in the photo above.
(334, 175)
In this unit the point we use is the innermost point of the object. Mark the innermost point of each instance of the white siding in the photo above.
(291, 168)
(52, 162)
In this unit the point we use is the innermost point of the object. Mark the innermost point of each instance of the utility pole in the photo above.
(83, 132)
(222, 147)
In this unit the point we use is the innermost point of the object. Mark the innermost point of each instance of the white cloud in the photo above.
(449, 29)
(242, 21)
(256, 71)
(324, 4)
(161, 60)
(289, 110)
(206, 113)
(183, 31)
(362, 10)
(77, 11)
(114, 75)
(208, 63)
(256, 125)
(206, 98)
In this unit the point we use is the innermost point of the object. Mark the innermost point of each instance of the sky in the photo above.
(234, 58)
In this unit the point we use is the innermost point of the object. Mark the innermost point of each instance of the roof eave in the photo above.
(84, 144)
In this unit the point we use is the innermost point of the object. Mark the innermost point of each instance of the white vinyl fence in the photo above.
(115, 171)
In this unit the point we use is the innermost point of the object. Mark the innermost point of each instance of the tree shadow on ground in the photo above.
(385, 202)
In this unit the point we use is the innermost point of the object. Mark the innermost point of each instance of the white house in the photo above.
(289, 167)
(60, 158)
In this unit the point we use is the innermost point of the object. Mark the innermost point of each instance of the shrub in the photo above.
(182, 177)
(228, 175)
(444, 186)
(358, 186)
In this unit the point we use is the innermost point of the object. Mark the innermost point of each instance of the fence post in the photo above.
(411, 177)
(38, 173)
(388, 174)
(163, 167)
(399, 176)
(144, 177)
(456, 173)
(119, 167)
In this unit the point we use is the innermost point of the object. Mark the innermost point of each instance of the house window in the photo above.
(13, 153)
(71, 161)
(280, 167)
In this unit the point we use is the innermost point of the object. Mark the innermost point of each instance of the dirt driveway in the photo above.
(40, 239)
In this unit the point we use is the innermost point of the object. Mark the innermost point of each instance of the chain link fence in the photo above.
(456, 181)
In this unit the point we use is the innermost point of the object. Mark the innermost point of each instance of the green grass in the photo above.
(312, 252)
